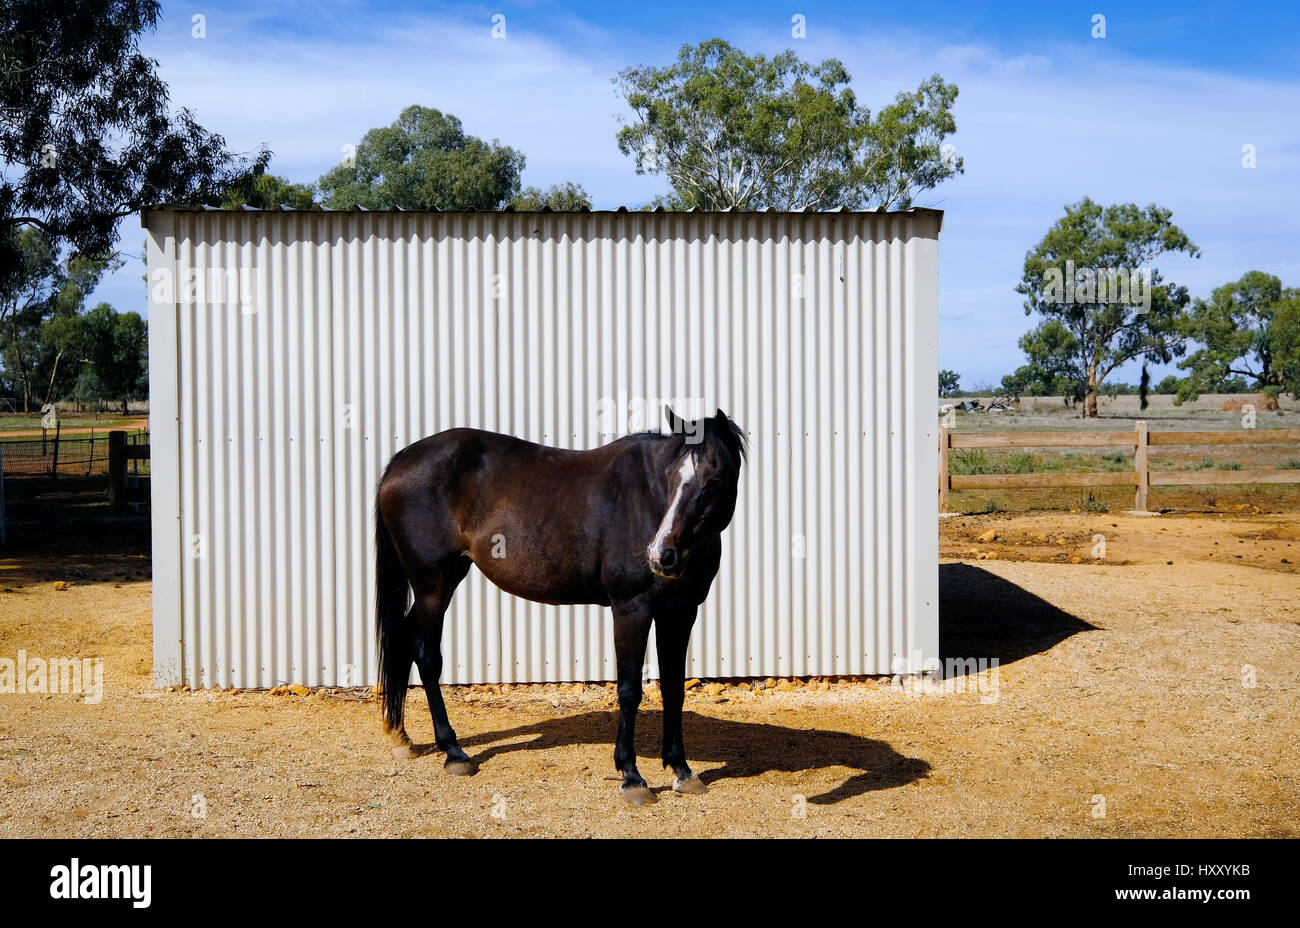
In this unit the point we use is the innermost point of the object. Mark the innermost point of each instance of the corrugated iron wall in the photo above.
(342, 337)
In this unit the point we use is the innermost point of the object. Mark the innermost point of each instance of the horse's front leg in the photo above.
(631, 631)
(672, 638)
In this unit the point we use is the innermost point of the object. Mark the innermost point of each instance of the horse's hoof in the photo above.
(460, 768)
(404, 752)
(638, 795)
(693, 786)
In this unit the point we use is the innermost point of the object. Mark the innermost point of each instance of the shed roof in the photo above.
(181, 208)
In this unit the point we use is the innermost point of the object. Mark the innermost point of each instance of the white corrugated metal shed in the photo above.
(292, 353)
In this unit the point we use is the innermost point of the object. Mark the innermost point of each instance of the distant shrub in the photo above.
(1093, 504)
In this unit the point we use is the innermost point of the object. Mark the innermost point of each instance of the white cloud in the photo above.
(306, 100)
(1038, 128)
(1038, 132)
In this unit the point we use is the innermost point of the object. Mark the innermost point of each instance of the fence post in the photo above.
(54, 470)
(1140, 465)
(945, 484)
(117, 472)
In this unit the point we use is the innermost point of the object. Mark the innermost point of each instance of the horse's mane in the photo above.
(730, 441)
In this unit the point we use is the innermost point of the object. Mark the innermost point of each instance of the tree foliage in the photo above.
(949, 382)
(424, 160)
(734, 131)
(52, 348)
(261, 190)
(1249, 328)
(559, 198)
(1089, 326)
(114, 346)
(1032, 380)
(45, 291)
(1167, 386)
(86, 136)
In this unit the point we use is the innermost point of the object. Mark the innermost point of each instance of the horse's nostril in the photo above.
(668, 557)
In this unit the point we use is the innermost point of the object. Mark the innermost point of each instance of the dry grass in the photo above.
(1119, 414)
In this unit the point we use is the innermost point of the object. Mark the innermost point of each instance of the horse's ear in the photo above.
(730, 433)
(676, 424)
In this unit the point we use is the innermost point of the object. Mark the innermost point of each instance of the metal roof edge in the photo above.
(510, 211)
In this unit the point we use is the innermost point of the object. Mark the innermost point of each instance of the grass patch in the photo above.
(969, 461)
(975, 460)
(1230, 465)
(979, 461)
(33, 423)
(1017, 462)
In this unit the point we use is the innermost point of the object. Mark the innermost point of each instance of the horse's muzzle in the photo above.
(665, 562)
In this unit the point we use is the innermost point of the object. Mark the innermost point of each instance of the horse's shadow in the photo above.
(746, 749)
(980, 615)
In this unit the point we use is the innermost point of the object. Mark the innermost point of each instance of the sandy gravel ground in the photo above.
(1164, 695)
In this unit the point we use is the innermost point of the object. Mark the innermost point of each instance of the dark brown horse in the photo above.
(636, 525)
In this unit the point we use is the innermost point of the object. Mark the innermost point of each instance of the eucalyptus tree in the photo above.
(730, 130)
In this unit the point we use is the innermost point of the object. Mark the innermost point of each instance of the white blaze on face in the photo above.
(685, 473)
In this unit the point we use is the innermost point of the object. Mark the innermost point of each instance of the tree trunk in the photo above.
(1090, 401)
(22, 368)
(49, 393)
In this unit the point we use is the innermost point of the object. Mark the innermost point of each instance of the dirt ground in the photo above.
(1158, 684)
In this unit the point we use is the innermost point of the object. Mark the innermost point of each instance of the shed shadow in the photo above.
(982, 615)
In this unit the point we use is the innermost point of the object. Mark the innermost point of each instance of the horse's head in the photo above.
(702, 480)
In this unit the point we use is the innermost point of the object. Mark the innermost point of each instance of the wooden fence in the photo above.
(119, 453)
(1141, 478)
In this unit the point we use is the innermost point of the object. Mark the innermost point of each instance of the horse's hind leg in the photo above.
(430, 608)
(397, 656)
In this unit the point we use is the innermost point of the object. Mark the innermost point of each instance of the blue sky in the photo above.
(1155, 112)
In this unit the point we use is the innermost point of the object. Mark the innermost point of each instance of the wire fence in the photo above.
(73, 456)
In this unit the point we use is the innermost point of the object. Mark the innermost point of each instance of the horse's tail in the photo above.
(391, 629)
